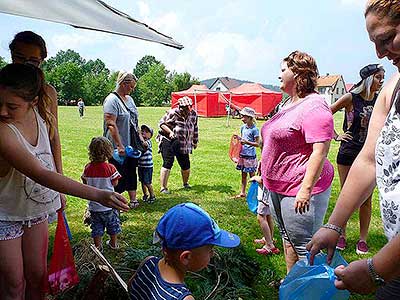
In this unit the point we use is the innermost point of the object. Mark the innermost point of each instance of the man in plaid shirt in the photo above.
(179, 135)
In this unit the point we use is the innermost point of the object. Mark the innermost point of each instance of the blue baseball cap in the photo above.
(186, 226)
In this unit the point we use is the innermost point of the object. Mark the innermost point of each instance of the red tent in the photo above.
(205, 101)
(254, 95)
(213, 104)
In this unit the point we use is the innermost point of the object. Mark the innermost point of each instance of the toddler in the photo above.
(145, 166)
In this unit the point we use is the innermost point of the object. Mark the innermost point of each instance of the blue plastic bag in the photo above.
(129, 151)
(316, 282)
(252, 201)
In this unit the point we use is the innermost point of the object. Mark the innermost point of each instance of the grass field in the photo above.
(214, 180)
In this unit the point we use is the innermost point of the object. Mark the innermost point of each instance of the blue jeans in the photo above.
(100, 220)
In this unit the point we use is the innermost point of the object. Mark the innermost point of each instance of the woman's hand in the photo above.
(345, 137)
(243, 141)
(171, 135)
(324, 238)
(302, 202)
(63, 200)
(113, 200)
(121, 150)
(355, 278)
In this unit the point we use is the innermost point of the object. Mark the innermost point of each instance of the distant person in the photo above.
(120, 118)
(179, 135)
(30, 48)
(358, 105)
(145, 166)
(102, 175)
(250, 139)
(187, 235)
(29, 184)
(81, 107)
(294, 167)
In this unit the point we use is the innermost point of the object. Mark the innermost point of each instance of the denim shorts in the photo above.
(100, 220)
(10, 230)
(145, 175)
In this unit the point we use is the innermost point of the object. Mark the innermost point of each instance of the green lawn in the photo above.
(214, 180)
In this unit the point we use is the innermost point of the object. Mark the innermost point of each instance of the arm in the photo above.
(196, 133)
(313, 171)
(356, 278)
(166, 121)
(23, 161)
(114, 182)
(112, 127)
(256, 143)
(346, 102)
(360, 181)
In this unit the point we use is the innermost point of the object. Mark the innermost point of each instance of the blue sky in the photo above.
(240, 39)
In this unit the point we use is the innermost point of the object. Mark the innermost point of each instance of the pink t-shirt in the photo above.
(288, 139)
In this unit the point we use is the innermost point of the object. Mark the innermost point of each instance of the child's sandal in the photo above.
(134, 204)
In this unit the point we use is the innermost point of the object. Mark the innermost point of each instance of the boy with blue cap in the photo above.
(187, 234)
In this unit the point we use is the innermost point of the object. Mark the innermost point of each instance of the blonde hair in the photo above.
(100, 149)
(384, 8)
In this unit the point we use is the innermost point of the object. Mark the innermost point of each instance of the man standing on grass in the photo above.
(177, 138)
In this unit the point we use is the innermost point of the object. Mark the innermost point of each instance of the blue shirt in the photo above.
(149, 285)
(250, 134)
(146, 160)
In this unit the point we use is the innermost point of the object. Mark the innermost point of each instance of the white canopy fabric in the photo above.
(87, 14)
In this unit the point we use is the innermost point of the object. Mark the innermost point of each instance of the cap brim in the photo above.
(227, 240)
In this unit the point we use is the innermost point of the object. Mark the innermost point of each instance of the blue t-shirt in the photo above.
(149, 285)
(250, 134)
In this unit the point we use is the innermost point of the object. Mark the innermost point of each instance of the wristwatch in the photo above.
(378, 280)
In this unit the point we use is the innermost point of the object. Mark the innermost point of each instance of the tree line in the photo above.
(73, 77)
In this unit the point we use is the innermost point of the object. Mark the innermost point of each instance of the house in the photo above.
(331, 87)
(224, 84)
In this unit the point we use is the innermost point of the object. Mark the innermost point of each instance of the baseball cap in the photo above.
(185, 101)
(369, 70)
(186, 226)
(148, 128)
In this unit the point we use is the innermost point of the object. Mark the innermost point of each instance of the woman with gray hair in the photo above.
(120, 118)
(358, 105)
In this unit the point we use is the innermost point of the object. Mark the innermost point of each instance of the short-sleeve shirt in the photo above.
(250, 134)
(146, 160)
(288, 139)
(100, 175)
(112, 105)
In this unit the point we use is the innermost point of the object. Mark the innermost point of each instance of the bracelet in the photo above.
(333, 227)
(378, 280)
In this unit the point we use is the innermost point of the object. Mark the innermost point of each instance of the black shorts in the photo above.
(169, 151)
(128, 181)
(345, 159)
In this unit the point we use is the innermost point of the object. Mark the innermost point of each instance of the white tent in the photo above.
(87, 14)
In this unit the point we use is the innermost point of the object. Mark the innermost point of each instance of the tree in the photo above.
(69, 56)
(144, 64)
(153, 87)
(3, 62)
(182, 81)
(96, 67)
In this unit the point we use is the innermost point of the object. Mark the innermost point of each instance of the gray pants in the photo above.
(298, 229)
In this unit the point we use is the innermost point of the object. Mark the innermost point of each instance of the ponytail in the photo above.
(44, 104)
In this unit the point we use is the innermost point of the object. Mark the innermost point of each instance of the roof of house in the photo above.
(328, 80)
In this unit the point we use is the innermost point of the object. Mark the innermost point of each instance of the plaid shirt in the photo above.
(185, 130)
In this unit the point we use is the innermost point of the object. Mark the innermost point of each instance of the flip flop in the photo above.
(266, 251)
(239, 196)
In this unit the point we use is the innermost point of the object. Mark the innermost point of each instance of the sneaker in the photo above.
(165, 191)
(341, 244)
(362, 247)
(187, 186)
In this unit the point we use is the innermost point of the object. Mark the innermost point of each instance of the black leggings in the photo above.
(128, 182)
(168, 152)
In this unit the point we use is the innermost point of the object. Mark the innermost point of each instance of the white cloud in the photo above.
(358, 3)
(144, 11)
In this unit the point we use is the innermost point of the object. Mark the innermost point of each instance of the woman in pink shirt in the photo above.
(295, 169)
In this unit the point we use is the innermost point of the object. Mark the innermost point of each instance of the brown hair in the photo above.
(27, 82)
(29, 37)
(305, 70)
(384, 8)
(100, 149)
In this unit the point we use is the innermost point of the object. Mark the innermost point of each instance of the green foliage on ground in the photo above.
(214, 180)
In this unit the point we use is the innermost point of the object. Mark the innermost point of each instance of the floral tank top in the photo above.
(387, 156)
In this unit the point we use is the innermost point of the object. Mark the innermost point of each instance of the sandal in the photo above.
(164, 191)
(108, 243)
(267, 251)
(260, 241)
(134, 204)
(239, 196)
